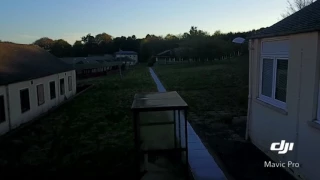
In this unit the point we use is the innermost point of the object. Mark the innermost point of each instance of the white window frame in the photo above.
(272, 100)
(44, 95)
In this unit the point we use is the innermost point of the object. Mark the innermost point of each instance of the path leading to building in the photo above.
(202, 164)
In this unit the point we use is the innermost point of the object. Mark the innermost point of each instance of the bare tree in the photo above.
(296, 5)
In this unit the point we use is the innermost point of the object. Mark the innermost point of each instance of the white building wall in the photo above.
(134, 57)
(269, 124)
(16, 116)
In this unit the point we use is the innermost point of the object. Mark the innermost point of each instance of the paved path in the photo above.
(203, 166)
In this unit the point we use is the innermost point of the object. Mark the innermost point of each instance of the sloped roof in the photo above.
(88, 60)
(97, 65)
(305, 20)
(20, 62)
(93, 62)
(124, 59)
(166, 53)
(177, 52)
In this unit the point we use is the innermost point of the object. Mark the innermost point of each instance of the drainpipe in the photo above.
(251, 49)
(8, 107)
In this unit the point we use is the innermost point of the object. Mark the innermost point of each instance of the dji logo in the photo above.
(282, 147)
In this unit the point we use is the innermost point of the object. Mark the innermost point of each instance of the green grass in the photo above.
(207, 87)
(89, 136)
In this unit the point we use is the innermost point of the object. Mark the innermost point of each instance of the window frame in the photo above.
(272, 100)
(64, 87)
(29, 106)
(70, 83)
(55, 92)
(44, 97)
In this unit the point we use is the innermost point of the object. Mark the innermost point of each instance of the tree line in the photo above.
(194, 43)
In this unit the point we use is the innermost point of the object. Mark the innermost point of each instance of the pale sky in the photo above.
(24, 21)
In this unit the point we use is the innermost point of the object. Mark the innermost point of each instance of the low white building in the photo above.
(130, 54)
(32, 81)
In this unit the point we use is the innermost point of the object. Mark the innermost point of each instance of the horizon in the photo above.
(72, 19)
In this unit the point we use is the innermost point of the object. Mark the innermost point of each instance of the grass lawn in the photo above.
(210, 88)
(88, 136)
(216, 92)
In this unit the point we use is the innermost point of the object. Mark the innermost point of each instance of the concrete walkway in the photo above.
(203, 166)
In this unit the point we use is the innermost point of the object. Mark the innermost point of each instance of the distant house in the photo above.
(32, 81)
(93, 65)
(131, 54)
(126, 60)
(174, 56)
(165, 57)
(284, 86)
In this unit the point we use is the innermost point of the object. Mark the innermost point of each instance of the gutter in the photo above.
(251, 49)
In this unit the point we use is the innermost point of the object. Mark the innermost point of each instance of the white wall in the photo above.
(16, 116)
(269, 124)
(134, 57)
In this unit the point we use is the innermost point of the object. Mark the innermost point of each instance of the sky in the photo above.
(24, 21)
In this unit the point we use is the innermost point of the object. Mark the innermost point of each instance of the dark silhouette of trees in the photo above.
(296, 5)
(195, 43)
(61, 48)
(44, 42)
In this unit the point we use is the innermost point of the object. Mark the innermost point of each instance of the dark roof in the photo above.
(124, 59)
(93, 62)
(91, 59)
(126, 53)
(165, 53)
(305, 20)
(96, 65)
(20, 62)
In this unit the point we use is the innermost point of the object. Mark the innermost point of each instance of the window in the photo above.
(2, 110)
(24, 100)
(62, 87)
(70, 83)
(52, 90)
(40, 94)
(273, 85)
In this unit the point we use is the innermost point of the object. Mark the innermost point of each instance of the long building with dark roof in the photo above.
(32, 81)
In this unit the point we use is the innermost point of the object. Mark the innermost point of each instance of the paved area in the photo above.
(202, 164)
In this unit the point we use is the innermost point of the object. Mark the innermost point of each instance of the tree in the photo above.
(78, 49)
(103, 37)
(61, 48)
(90, 44)
(171, 37)
(194, 32)
(296, 5)
(44, 42)
(217, 33)
(88, 39)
